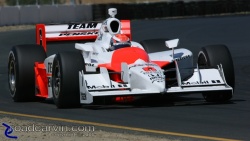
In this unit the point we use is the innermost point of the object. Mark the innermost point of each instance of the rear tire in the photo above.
(211, 56)
(154, 45)
(65, 79)
(21, 74)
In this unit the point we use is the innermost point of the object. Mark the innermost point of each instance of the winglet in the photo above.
(172, 43)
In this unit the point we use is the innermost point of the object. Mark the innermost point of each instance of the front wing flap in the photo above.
(202, 80)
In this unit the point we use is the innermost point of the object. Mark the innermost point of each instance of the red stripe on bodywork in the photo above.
(128, 55)
(149, 68)
(41, 80)
(125, 28)
(40, 36)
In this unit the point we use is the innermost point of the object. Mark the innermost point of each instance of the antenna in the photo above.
(112, 12)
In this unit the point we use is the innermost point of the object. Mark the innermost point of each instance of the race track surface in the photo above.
(181, 114)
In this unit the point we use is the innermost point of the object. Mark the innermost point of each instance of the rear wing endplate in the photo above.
(73, 32)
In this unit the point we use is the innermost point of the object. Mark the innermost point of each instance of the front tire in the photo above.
(211, 56)
(21, 75)
(65, 79)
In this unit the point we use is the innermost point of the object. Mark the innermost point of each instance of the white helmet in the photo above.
(119, 41)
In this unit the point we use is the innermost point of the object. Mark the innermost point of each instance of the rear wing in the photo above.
(73, 32)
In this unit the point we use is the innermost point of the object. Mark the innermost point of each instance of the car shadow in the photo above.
(150, 102)
(160, 101)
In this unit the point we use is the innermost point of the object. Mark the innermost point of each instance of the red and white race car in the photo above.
(113, 65)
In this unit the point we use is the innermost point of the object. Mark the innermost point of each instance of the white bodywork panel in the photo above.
(49, 63)
(179, 54)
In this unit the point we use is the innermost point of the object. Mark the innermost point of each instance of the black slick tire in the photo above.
(65, 79)
(211, 56)
(21, 75)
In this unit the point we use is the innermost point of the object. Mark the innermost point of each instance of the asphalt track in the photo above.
(188, 117)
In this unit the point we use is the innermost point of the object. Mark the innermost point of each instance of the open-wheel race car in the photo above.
(113, 65)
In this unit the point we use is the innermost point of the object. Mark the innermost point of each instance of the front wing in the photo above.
(202, 80)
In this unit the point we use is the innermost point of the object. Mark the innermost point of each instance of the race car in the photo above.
(109, 64)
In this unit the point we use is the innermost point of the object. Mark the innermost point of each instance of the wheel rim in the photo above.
(12, 76)
(56, 81)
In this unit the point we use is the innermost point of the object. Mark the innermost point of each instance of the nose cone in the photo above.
(128, 55)
(155, 79)
(147, 77)
(159, 85)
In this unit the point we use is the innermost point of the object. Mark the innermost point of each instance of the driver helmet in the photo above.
(119, 41)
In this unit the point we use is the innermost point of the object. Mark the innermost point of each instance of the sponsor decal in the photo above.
(105, 86)
(49, 70)
(201, 83)
(83, 96)
(156, 77)
(150, 72)
(149, 69)
(122, 85)
(153, 74)
(215, 81)
(195, 83)
(141, 65)
(78, 33)
(49, 82)
(182, 58)
(89, 64)
(82, 26)
(98, 87)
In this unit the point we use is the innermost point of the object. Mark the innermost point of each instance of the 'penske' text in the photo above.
(78, 33)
